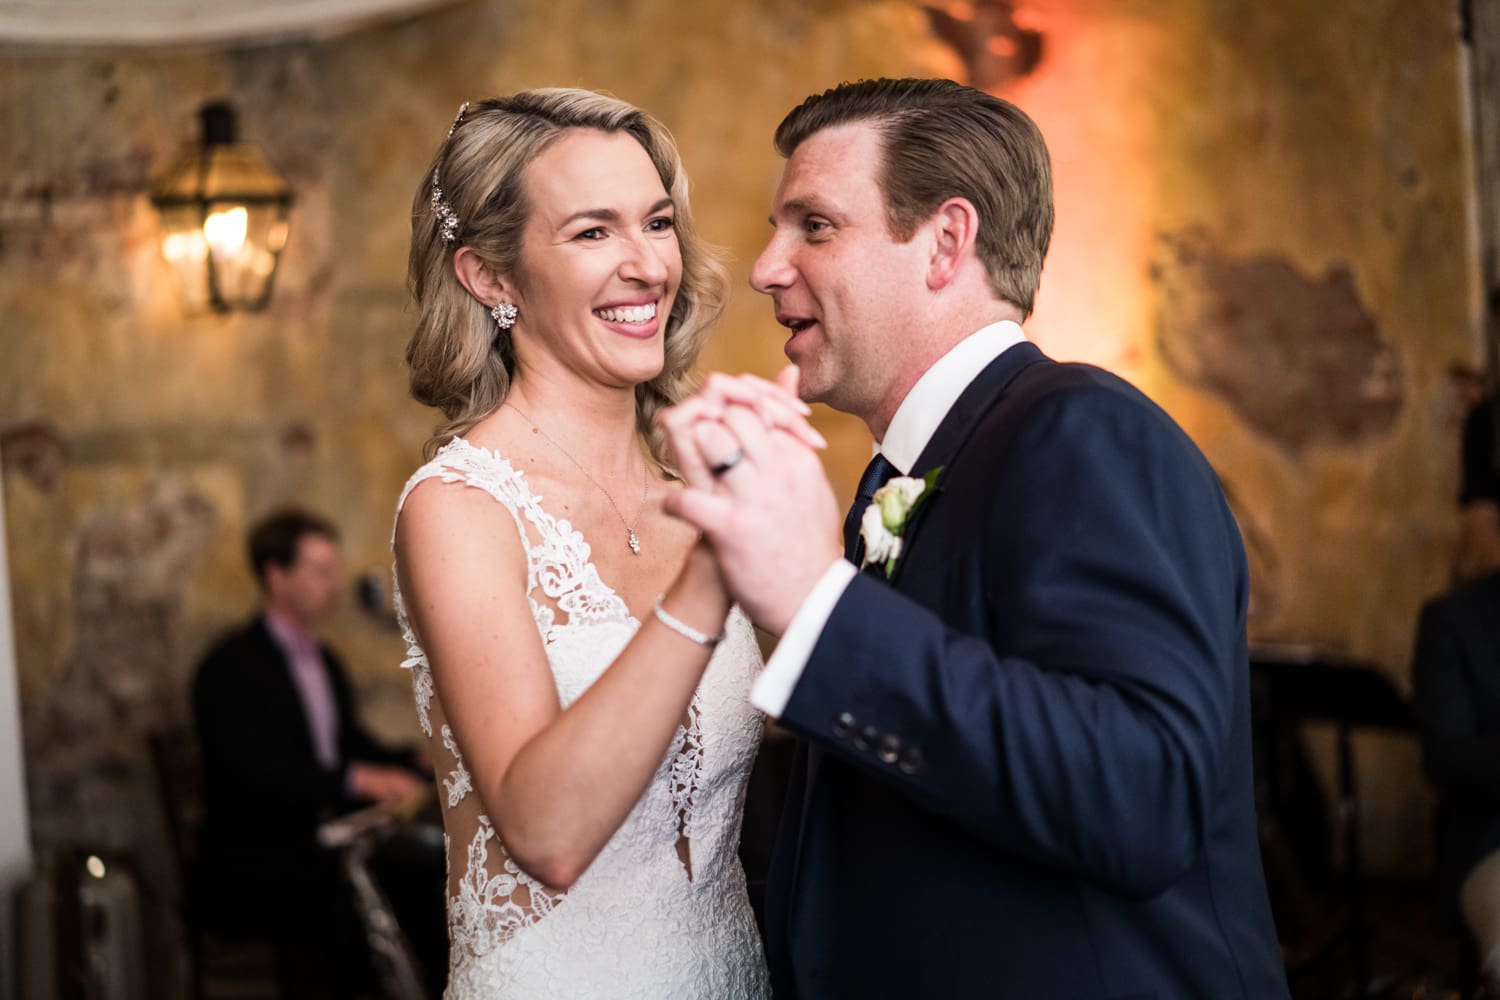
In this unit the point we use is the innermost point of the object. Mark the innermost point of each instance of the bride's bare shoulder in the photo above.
(463, 506)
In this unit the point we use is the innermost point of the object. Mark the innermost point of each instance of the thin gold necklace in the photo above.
(630, 539)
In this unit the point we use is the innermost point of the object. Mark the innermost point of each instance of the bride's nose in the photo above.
(648, 261)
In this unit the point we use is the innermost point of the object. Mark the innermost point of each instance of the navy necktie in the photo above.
(877, 474)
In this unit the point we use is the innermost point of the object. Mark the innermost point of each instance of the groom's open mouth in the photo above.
(796, 324)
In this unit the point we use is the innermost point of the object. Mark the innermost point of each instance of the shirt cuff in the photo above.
(773, 688)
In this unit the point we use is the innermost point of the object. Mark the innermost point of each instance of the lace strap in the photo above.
(558, 564)
(460, 462)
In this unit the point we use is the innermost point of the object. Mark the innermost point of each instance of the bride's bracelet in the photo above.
(683, 628)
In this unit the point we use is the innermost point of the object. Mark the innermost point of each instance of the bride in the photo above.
(578, 669)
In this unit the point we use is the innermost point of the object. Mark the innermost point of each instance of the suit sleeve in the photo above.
(1458, 754)
(244, 745)
(1084, 730)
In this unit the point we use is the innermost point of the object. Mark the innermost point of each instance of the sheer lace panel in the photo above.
(686, 765)
(490, 898)
(458, 781)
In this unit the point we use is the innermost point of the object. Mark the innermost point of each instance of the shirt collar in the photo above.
(288, 635)
(928, 402)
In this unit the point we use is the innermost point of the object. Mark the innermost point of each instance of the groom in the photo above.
(1027, 728)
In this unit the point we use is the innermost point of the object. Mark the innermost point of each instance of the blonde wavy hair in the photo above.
(459, 362)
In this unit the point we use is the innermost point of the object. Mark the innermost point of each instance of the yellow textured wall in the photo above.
(1261, 211)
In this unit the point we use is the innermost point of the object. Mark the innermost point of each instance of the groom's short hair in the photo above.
(943, 140)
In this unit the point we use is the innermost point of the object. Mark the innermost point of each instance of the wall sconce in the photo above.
(223, 218)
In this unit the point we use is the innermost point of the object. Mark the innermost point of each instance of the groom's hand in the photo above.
(771, 517)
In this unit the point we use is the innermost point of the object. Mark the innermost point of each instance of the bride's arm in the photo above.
(557, 784)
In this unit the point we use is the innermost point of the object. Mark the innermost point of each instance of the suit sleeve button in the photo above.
(866, 737)
(888, 749)
(911, 760)
(843, 725)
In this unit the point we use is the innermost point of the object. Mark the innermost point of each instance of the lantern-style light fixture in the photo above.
(224, 218)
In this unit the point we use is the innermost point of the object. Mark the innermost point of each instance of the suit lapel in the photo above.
(280, 680)
(945, 445)
(956, 427)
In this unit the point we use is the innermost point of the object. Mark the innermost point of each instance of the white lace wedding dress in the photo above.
(662, 911)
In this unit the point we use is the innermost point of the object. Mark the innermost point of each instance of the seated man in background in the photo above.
(1456, 694)
(283, 750)
(1479, 496)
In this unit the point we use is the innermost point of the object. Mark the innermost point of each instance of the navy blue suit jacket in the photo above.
(1027, 769)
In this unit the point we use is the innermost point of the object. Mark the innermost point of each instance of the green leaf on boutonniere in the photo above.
(897, 506)
(929, 487)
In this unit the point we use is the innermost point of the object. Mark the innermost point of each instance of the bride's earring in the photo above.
(505, 315)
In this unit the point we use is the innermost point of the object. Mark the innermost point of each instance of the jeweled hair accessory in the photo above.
(458, 118)
(447, 219)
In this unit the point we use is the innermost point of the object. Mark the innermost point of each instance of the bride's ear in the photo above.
(481, 281)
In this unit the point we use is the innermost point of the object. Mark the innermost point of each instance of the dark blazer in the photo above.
(264, 791)
(1028, 768)
(1456, 695)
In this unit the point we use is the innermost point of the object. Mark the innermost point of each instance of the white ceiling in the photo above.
(174, 22)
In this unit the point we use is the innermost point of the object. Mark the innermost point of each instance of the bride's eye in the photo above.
(596, 233)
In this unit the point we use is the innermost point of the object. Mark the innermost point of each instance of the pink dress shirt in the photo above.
(310, 677)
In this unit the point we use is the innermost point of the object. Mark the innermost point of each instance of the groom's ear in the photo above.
(481, 281)
(954, 228)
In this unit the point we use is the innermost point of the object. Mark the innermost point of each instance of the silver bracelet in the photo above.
(683, 628)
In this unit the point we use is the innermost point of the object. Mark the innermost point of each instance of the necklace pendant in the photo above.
(633, 542)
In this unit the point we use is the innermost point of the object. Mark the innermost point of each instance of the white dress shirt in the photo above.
(916, 420)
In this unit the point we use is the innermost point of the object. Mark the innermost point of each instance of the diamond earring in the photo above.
(505, 315)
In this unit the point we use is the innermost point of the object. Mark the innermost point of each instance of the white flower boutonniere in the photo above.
(885, 520)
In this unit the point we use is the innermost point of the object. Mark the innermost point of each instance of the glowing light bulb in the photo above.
(225, 230)
(95, 866)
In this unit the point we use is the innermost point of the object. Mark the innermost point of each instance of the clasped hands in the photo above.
(756, 490)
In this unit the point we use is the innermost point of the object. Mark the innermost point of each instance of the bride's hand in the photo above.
(766, 509)
(775, 403)
(700, 436)
(708, 447)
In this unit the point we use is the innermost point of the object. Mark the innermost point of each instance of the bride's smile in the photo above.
(636, 317)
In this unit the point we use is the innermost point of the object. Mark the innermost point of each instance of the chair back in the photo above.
(179, 792)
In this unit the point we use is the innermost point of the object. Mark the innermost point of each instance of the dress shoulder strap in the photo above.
(458, 461)
(558, 559)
